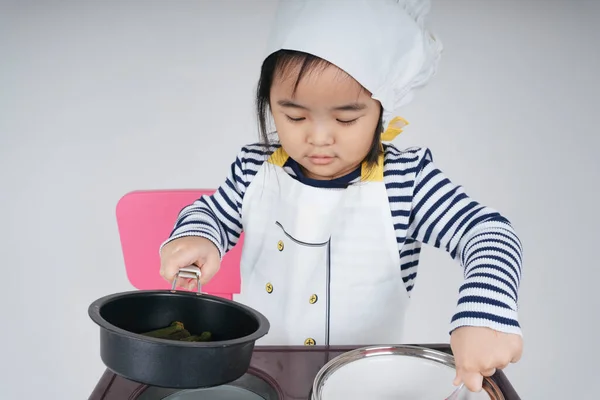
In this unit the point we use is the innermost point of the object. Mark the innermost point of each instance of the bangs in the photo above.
(295, 65)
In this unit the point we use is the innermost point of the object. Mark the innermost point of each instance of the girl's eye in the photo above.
(294, 119)
(350, 122)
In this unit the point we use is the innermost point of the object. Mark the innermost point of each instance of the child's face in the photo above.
(329, 125)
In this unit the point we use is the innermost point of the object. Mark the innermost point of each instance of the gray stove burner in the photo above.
(248, 387)
(220, 393)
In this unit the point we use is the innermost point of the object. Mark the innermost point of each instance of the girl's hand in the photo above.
(479, 351)
(186, 251)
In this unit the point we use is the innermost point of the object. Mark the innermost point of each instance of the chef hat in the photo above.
(382, 44)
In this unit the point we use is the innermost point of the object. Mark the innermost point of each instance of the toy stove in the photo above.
(275, 373)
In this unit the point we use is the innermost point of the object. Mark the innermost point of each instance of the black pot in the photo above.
(123, 317)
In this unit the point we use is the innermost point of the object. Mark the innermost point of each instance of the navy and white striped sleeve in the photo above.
(479, 238)
(218, 217)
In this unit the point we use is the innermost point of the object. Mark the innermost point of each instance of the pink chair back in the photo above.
(145, 219)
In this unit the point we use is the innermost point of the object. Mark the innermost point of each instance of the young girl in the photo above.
(333, 218)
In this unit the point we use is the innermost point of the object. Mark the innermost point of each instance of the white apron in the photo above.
(321, 264)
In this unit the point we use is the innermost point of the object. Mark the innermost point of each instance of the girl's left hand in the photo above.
(479, 351)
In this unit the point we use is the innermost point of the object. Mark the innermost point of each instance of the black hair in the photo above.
(278, 63)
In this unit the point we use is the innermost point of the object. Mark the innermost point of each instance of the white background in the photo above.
(101, 98)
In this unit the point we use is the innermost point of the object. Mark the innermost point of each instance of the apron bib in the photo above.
(321, 264)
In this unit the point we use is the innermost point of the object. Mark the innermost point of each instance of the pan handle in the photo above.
(191, 272)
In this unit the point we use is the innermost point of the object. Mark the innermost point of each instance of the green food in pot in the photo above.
(176, 331)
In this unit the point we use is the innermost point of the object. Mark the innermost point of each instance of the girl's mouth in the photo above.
(321, 160)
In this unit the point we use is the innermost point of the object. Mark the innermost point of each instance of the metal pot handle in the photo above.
(191, 272)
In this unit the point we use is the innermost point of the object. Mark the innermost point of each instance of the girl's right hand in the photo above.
(186, 251)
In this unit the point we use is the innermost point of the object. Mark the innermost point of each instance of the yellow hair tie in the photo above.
(394, 128)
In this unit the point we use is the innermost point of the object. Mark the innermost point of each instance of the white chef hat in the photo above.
(382, 44)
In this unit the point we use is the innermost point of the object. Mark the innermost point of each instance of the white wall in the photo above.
(100, 98)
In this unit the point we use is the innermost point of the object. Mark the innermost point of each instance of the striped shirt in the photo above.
(426, 207)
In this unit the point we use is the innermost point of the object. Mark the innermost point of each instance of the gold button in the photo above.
(280, 245)
(309, 342)
(313, 299)
(269, 288)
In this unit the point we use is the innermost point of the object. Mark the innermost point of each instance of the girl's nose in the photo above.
(320, 135)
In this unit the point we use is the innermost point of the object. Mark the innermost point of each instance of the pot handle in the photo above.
(191, 272)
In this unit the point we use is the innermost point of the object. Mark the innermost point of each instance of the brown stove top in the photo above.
(276, 373)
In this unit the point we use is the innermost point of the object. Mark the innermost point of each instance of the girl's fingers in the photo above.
(473, 381)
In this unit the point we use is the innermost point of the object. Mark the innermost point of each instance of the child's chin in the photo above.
(323, 172)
